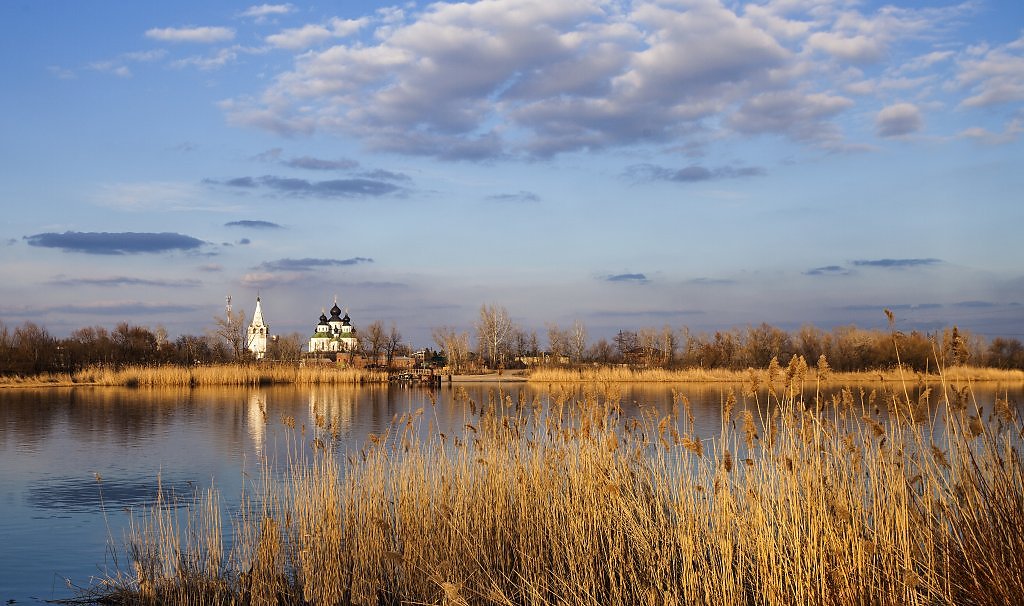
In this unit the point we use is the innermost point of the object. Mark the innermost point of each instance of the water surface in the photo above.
(74, 461)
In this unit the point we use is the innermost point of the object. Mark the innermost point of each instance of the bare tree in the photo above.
(558, 343)
(392, 344)
(285, 347)
(230, 329)
(493, 332)
(375, 340)
(454, 344)
(577, 342)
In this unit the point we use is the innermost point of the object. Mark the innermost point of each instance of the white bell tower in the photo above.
(257, 333)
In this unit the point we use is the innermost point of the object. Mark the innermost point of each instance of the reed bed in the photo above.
(226, 374)
(625, 374)
(864, 499)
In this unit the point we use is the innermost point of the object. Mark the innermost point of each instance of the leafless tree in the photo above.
(558, 343)
(230, 329)
(454, 344)
(577, 342)
(493, 333)
(392, 344)
(374, 340)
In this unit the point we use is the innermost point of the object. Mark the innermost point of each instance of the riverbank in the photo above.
(764, 376)
(194, 376)
(274, 374)
(574, 504)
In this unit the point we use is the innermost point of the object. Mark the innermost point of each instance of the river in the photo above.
(75, 461)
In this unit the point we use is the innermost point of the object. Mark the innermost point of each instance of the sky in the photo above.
(700, 163)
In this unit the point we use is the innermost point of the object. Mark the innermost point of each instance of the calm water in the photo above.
(73, 461)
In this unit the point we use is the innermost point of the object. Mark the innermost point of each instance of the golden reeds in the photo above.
(224, 374)
(774, 376)
(568, 503)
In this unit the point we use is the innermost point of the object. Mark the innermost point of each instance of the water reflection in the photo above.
(54, 442)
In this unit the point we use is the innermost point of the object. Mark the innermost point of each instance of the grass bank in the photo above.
(226, 374)
(624, 374)
(561, 500)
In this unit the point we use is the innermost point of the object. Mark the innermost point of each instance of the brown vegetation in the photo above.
(600, 374)
(562, 501)
(193, 376)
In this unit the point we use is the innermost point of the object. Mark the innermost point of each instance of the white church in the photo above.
(334, 334)
(256, 336)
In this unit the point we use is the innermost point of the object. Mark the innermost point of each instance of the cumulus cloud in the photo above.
(117, 243)
(994, 76)
(203, 35)
(690, 174)
(484, 80)
(334, 188)
(313, 34)
(253, 224)
(896, 263)
(898, 120)
(309, 264)
(630, 278)
(1011, 132)
(261, 12)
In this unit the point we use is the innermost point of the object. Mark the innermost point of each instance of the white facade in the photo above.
(256, 341)
(334, 334)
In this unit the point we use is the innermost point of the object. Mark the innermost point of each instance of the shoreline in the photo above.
(170, 376)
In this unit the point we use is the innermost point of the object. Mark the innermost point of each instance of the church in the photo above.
(331, 335)
(334, 334)
(256, 336)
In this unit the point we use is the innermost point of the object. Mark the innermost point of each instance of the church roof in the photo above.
(257, 316)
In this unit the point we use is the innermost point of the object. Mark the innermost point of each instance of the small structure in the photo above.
(334, 334)
(256, 336)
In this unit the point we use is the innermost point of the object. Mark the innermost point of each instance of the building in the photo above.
(256, 336)
(334, 334)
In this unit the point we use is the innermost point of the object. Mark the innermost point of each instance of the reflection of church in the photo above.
(335, 333)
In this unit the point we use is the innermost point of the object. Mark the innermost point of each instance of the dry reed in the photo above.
(598, 374)
(224, 374)
(565, 502)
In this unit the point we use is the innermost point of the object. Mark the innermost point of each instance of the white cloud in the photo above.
(1011, 132)
(262, 11)
(204, 35)
(533, 77)
(994, 76)
(898, 120)
(310, 35)
(215, 60)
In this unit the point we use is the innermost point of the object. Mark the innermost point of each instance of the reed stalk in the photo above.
(564, 501)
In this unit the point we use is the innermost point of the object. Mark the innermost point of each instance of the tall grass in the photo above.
(561, 500)
(225, 374)
(721, 375)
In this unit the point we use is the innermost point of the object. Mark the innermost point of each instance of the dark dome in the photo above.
(335, 311)
(323, 319)
(346, 320)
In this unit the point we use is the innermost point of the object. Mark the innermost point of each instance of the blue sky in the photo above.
(628, 164)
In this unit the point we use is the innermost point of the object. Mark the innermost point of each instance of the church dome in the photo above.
(323, 318)
(335, 311)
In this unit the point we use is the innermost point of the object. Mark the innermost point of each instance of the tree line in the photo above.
(501, 344)
(497, 342)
